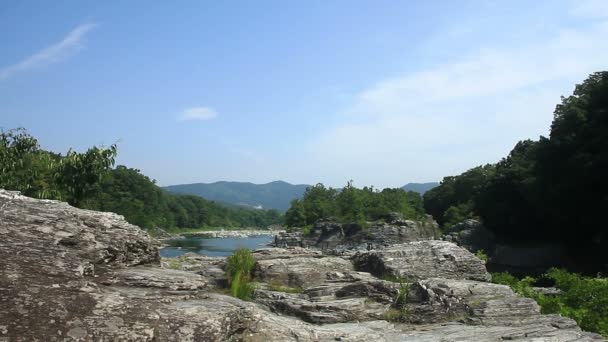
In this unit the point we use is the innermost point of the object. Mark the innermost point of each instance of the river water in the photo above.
(213, 246)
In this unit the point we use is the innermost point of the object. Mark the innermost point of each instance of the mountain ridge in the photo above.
(272, 195)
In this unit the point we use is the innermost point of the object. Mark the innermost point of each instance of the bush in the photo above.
(238, 269)
(481, 254)
(582, 298)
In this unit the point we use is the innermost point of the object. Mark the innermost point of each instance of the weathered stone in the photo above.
(211, 268)
(472, 235)
(342, 297)
(298, 270)
(441, 300)
(328, 235)
(72, 274)
(422, 259)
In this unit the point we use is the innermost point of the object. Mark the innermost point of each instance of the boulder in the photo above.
(441, 300)
(422, 259)
(472, 235)
(302, 269)
(342, 297)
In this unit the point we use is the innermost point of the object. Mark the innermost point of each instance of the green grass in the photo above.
(239, 267)
(583, 299)
(398, 312)
(280, 287)
(481, 254)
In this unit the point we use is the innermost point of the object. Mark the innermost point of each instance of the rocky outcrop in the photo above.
(71, 274)
(472, 235)
(318, 288)
(329, 234)
(421, 260)
(234, 233)
(297, 270)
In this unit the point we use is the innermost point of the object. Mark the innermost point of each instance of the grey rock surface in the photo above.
(472, 235)
(68, 274)
(422, 259)
(328, 234)
(302, 269)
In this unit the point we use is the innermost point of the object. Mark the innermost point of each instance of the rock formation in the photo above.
(328, 234)
(472, 235)
(72, 274)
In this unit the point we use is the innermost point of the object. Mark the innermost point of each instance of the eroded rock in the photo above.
(422, 259)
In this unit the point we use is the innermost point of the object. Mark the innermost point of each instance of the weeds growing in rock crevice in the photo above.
(278, 286)
(398, 311)
(239, 267)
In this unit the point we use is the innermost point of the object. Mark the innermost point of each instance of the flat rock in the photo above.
(301, 270)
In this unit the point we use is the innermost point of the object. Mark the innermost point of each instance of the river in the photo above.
(212, 246)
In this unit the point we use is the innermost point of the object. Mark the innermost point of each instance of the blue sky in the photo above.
(381, 92)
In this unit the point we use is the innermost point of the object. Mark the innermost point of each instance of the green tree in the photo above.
(78, 174)
(458, 192)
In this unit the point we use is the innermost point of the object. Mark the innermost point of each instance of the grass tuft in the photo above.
(239, 267)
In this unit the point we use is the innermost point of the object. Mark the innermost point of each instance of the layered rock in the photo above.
(328, 234)
(300, 269)
(422, 259)
(72, 274)
(472, 235)
(318, 288)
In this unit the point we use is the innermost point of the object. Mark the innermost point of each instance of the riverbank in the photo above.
(211, 232)
(231, 233)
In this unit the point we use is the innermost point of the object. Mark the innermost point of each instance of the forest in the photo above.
(88, 180)
(553, 189)
(351, 204)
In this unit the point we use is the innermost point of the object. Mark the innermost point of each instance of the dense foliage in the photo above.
(453, 200)
(554, 189)
(582, 298)
(239, 268)
(87, 180)
(351, 204)
(74, 178)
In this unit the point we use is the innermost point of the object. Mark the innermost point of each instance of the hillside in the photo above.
(420, 188)
(273, 195)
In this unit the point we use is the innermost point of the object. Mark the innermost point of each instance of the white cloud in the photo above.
(591, 8)
(425, 125)
(71, 43)
(197, 113)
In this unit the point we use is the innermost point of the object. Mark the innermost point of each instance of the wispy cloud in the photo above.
(57, 52)
(461, 113)
(197, 113)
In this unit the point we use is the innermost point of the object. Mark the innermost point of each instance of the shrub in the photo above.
(582, 298)
(481, 254)
(307, 230)
(238, 269)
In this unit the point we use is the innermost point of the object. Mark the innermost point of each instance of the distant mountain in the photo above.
(273, 195)
(420, 188)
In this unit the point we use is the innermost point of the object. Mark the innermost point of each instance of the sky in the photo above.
(380, 92)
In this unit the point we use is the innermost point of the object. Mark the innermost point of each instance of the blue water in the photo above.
(212, 246)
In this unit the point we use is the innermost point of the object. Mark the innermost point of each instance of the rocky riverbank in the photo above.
(233, 233)
(72, 274)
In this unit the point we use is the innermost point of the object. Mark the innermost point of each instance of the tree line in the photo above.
(553, 189)
(351, 204)
(89, 180)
